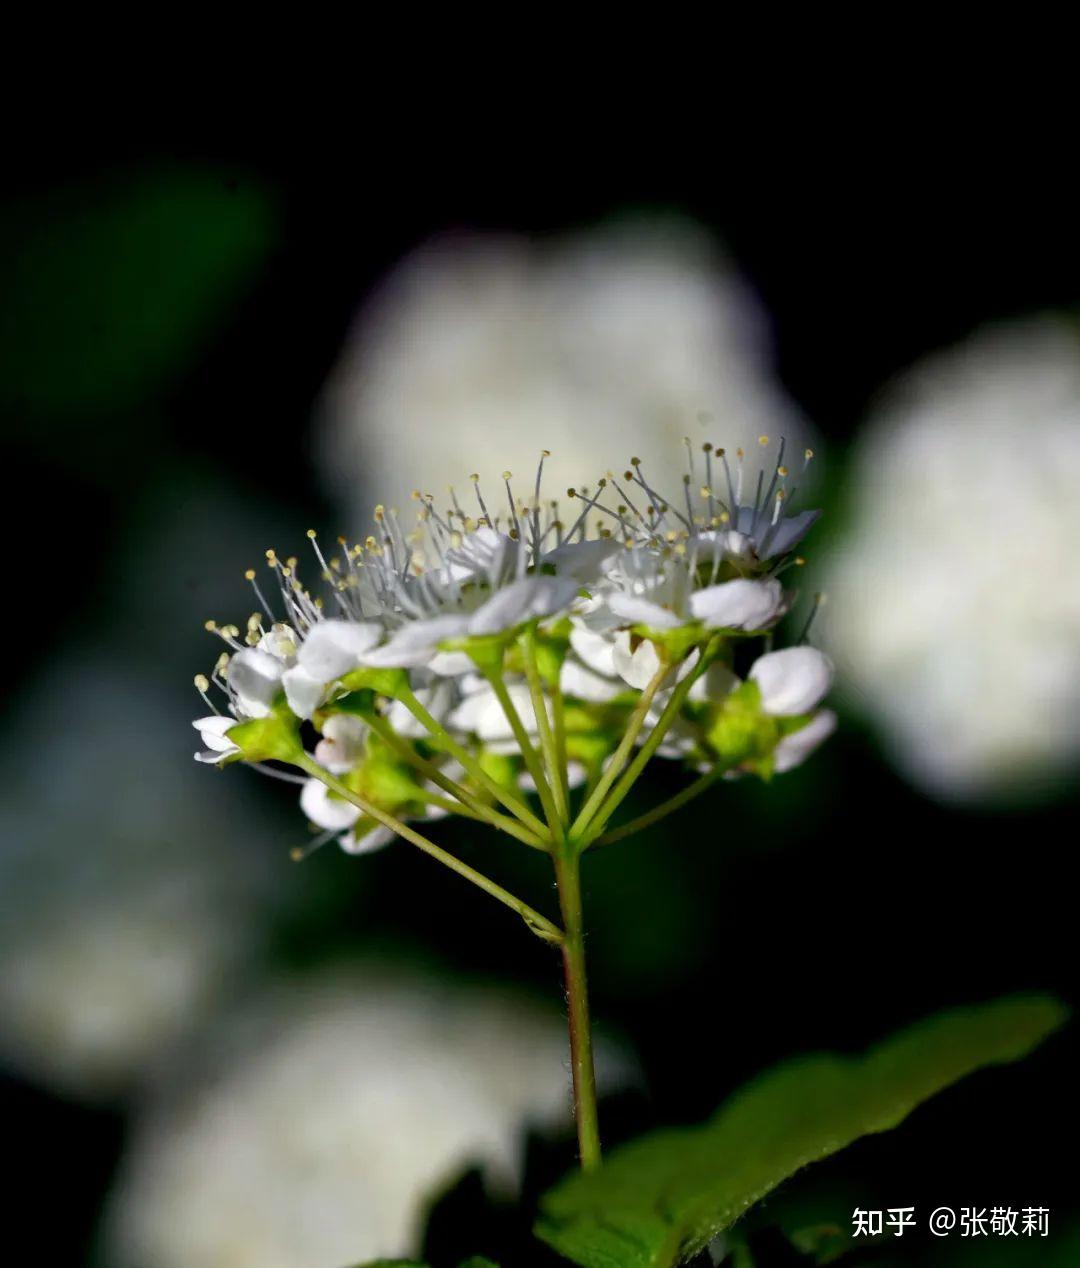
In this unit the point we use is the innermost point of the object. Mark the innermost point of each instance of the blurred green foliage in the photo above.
(108, 290)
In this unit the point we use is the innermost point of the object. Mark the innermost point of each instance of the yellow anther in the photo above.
(202, 683)
(311, 534)
(506, 475)
(380, 511)
(416, 495)
(222, 663)
(249, 575)
(799, 561)
(808, 454)
(707, 446)
(763, 441)
(781, 471)
(706, 492)
(475, 477)
(271, 555)
(210, 625)
(635, 462)
(545, 453)
(254, 621)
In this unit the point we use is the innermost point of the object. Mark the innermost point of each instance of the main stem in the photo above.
(568, 879)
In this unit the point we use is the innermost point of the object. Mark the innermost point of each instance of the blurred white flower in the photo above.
(329, 1116)
(132, 890)
(482, 349)
(954, 602)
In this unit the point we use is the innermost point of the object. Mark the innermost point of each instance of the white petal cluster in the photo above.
(626, 596)
(329, 1115)
(954, 600)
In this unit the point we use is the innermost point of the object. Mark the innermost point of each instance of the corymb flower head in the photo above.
(502, 662)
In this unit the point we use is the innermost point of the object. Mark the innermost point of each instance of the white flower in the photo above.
(330, 650)
(254, 677)
(212, 732)
(796, 747)
(739, 604)
(328, 1113)
(419, 643)
(954, 603)
(118, 949)
(792, 681)
(437, 698)
(325, 809)
(612, 341)
(637, 667)
(481, 714)
(342, 743)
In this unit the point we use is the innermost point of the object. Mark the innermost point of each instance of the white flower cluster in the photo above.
(604, 341)
(328, 1113)
(458, 651)
(959, 578)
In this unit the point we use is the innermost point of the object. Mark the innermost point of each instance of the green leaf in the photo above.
(660, 1200)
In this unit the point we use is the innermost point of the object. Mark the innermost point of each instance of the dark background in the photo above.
(822, 912)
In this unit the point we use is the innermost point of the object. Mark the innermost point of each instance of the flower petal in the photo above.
(792, 681)
(788, 533)
(303, 692)
(334, 647)
(739, 604)
(372, 840)
(581, 683)
(639, 667)
(522, 600)
(583, 561)
(795, 748)
(324, 809)
(418, 641)
(212, 730)
(635, 610)
(255, 677)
